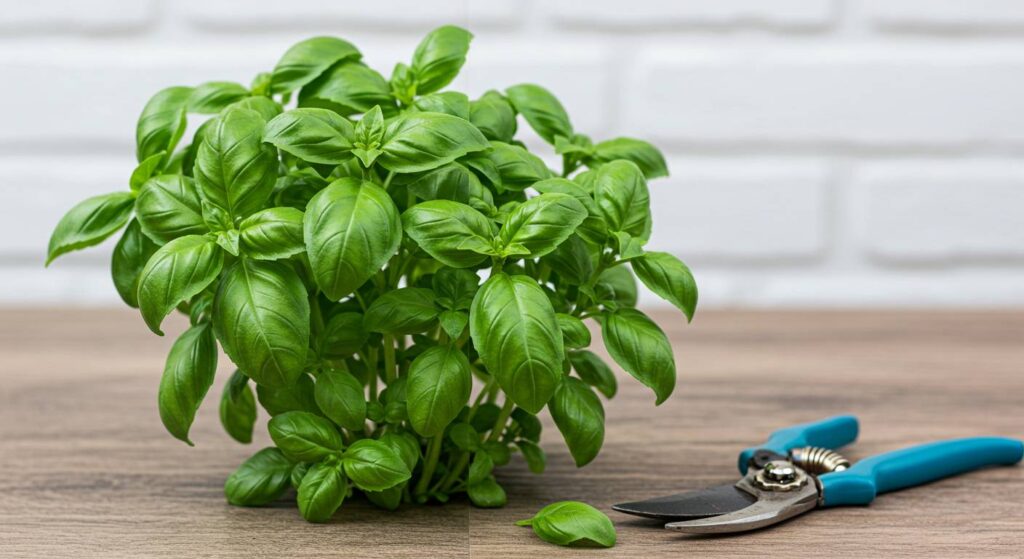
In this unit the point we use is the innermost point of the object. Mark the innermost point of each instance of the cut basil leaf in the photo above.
(570, 523)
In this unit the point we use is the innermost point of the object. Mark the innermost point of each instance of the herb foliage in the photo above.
(401, 283)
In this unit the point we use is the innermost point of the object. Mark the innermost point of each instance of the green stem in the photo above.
(387, 181)
(433, 453)
(390, 374)
(499, 424)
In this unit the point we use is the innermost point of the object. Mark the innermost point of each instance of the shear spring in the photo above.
(817, 460)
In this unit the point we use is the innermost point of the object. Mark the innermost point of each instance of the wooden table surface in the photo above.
(86, 468)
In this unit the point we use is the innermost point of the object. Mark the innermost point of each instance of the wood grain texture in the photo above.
(88, 471)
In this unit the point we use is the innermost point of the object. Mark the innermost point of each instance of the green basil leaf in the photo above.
(299, 396)
(272, 234)
(574, 333)
(618, 286)
(322, 491)
(265, 106)
(299, 471)
(453, 233)
(130, 255)
(304, 437)
(169, 207)
(453, 323)
(579, 416)
(482, 166)
(439, 57)
(261, 316)
(536, 460)
(408, 310)
(352, 229)
(212, 97)
(480, 468)
(406, 445)
(389, 499)
(593, 229)
(162, 122)
(187, 378)
(541, 109)
(487, 494)
(455, 287)
(542, 223)
(639, 346)
(449, 102)
(90, 223)
(622, 198)
(529, 426)
(306, 60)
(145, 170)
(517, 167)
(342, 399)
(494, 116)
(260, 480)
(667, 276)
(238, 408)
(343, 336)
(313, 135)
(452, 182)
(176, 272)
(234, 169)
(417, 142)
(571, 260)
(374, 465)
(629, 247)
(439, 386)
(349, 89)
(647, 157)
(465, 437)
(594, 371)
(499, 452)
(514, 329)
(570, 522)
(483, 420)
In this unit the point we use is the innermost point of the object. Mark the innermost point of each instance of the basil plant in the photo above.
(402, 285)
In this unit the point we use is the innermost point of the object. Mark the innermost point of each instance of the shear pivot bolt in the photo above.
(779, 471)
(780, 475)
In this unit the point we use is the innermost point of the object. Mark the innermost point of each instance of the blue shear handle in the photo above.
(914, 466)
(832, 432)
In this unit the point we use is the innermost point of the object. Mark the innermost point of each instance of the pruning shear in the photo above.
(798, 469)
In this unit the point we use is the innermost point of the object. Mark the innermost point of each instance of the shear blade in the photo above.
(713, 501)
(769, 508)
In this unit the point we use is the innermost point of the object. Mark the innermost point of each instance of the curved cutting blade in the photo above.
(713, 501)
(771, 507)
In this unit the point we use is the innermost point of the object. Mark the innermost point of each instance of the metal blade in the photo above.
(713, 501)
(771, 507)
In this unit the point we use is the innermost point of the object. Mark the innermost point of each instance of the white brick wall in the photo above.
(823, 152)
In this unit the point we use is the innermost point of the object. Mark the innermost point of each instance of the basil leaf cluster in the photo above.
(401, 284)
